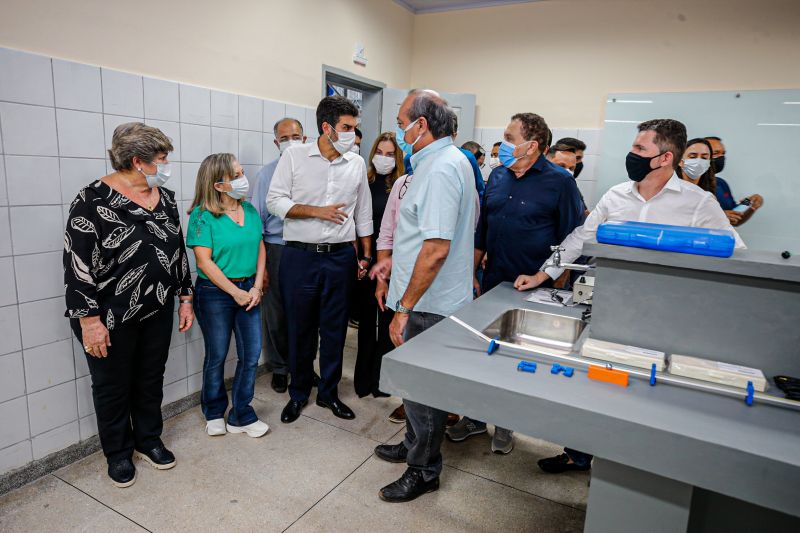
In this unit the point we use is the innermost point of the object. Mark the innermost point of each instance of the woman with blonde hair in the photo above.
(224, 232)
(124, 263)
(384, 167)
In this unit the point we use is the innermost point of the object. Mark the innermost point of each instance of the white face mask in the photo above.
(494, 162)
(356, 149)
(694, 168)
(383, 164)
(345, 140)
(163, 172)
(286, 144)
(239, 187)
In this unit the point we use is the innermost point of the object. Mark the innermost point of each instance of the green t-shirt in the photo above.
(234, 248)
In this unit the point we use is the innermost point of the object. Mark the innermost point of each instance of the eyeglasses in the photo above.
(404, 186)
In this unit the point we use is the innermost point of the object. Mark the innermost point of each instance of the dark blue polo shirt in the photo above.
(521, 218)
(725, 196)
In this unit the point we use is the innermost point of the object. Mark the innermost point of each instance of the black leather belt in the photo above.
(321, 248)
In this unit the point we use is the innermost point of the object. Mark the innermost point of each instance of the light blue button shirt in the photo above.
(440, 203)
(272, 228)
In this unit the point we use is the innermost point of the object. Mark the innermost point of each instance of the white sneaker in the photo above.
(256, 429)
(215, 427)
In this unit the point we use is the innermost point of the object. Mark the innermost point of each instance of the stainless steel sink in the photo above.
(544, 332)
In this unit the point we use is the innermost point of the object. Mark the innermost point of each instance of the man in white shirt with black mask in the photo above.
(654, 193)
(321, 192)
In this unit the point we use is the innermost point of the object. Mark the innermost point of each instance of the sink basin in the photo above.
(547, 333)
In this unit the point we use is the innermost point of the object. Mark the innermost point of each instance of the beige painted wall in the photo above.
(560, 58)
(266, 48)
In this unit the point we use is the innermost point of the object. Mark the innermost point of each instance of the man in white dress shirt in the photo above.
(321, 191)
(653, 193)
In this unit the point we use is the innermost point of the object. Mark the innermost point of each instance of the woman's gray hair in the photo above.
(434, 108)
(136, 139)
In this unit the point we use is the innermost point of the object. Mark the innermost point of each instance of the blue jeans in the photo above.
(219, 315)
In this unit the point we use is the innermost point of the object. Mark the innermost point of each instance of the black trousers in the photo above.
(373, 337)
(127, 386)
(316, 292)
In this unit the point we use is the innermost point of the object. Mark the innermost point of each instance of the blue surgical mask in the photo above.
(400, 134)
(506, 153)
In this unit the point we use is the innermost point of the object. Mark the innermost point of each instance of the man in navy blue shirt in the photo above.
(529, 205)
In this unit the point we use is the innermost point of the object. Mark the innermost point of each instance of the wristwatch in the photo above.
(366, 258)
(400, 309)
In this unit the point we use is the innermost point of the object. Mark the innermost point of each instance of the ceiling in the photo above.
(437, 6)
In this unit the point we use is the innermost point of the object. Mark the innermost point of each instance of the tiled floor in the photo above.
(317, 474)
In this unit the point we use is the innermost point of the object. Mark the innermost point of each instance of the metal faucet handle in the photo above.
(557, 248)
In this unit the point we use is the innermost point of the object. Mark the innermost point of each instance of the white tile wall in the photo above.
(39, 276)
(56, 123)
(48, 365)
(8, 292)
(161, 100)
(27, 78)
(28, 129)
(123, 93)
(77, 86)
(12, 376)
(32, 180)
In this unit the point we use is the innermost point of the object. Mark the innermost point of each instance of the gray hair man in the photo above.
(431, 273)
(288, 131)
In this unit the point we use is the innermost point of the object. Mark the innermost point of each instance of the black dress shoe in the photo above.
(292, 411)
(338, 408)
(410, 486)
(159, 457)
(122, 473)
(393, 453)
(279, 382)
(559, 464)
(315, 380)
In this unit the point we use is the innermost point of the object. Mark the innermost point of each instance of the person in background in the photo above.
(580, 148)
(653, 193)
(124, 263)
(288, 132)
(321, 192)
(494, 159)
(225, 233)
(430, 272)
(383, 170)
(530, 205)
(695, 165)
(723, 192)
(480, 186)
(477, 152)
(565, 156)
(357, 145)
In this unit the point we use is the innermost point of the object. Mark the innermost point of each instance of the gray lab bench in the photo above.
(666, 458)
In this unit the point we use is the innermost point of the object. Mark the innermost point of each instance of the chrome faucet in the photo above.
(556, 262)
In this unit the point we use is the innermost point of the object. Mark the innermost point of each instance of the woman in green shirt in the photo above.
(225, 233)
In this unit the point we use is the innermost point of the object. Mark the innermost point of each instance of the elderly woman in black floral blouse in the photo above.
(124, 263)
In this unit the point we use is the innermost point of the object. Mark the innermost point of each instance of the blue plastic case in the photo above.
(682, 239)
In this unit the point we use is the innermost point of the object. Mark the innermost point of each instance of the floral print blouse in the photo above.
(121, 261)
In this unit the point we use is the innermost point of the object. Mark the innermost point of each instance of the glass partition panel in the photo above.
(761, 132)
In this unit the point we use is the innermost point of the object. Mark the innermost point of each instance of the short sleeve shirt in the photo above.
(234, 248)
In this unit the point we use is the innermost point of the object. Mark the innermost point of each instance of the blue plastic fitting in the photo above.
(556, 368)
(653, 375)
(526, 366)
(750, 391)
(493, 346)
(568, 371)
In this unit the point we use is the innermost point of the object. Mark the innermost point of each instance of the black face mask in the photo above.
(638, 167)
(718, 163)
(578, 169)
